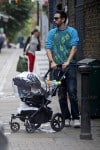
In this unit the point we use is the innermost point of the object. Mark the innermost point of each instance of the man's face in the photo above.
(58, 20)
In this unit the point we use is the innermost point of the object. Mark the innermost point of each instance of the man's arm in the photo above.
(49, 48)
(71, 55)
(50, 58)
(74, 42)
(49, 55)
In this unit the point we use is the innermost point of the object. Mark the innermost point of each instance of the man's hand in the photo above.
(65, 65)
(53, 65)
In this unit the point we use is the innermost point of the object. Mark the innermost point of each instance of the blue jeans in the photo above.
(69, 86)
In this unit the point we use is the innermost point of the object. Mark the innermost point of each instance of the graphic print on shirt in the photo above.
(61, 46)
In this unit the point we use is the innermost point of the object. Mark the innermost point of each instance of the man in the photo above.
(61, 46)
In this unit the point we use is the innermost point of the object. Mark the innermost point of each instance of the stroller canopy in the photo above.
(30, 82)
(29, 87)
(26, 80)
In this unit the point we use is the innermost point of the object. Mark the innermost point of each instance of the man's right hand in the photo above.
(53, 65)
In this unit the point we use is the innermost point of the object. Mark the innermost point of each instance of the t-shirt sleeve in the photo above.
(74, 38)
(48, 43)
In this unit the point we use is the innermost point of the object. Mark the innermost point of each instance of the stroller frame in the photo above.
(33, 121)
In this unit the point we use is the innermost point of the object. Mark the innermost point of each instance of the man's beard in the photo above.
(58, 25)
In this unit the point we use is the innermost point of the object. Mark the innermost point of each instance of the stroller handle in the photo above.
(49, 70)
(59, 66)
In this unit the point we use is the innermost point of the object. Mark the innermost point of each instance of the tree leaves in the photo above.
(20, 12)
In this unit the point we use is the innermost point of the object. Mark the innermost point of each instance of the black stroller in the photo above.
(36, 94)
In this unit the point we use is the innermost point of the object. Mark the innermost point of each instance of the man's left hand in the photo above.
(65, 65)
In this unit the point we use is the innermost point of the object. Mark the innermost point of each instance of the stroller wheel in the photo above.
(30, 127)
(37, 125)
(57, 122)
(15, 126)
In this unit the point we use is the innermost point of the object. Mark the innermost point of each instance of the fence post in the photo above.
(85, 134)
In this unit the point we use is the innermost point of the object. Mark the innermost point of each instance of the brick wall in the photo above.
(75, 17)
(71, 12)
(90, 42)
(92, 29)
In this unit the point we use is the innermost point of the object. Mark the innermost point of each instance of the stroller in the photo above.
(35, 94)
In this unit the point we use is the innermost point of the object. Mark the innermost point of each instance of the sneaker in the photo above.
(67, 122)
(76, 123)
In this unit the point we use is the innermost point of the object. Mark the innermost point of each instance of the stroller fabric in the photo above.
(30, 90)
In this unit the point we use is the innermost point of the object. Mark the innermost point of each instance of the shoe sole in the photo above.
(77, 126)
(67, 125)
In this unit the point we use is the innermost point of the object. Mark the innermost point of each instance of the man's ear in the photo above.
(63, 20)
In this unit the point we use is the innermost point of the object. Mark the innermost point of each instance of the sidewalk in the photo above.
(44, 138)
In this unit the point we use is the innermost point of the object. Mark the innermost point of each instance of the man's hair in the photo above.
(62, 13)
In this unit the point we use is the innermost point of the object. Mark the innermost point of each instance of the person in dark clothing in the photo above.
(21, 41)
(2, 39)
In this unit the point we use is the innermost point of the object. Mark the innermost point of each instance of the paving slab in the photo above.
(44, 138)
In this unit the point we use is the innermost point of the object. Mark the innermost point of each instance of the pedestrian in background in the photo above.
(2, 39)
(61, 46)
(20, 40)
(30, 48)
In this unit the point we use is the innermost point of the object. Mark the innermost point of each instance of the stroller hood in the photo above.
(29, 86)
(26, 80)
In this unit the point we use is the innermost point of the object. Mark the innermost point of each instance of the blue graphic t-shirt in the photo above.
(60, 43)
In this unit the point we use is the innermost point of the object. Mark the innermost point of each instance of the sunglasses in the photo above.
(56, 18)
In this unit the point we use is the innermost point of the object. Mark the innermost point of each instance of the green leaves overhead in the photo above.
(19, 12)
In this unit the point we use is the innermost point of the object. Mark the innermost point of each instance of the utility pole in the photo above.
(37, 13)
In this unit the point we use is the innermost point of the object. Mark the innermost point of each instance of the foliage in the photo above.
(20, 12)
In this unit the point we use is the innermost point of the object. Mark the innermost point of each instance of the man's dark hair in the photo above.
(62, 13)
